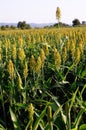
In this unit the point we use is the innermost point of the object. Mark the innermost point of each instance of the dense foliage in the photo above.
(43, 79)
(23, 25)
(76, 22)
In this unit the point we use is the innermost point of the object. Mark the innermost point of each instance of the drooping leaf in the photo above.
(2, 127)
(14, 119)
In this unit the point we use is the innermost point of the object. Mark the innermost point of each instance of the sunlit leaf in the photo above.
(14, 119)
(82, 127)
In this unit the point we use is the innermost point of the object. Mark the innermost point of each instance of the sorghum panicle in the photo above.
(38, 64)
(25, 71)
(77, 56)
(10, 69)
(21, 54)
(46, 49)
(13, 52)
(32, 63)
(81, 47)
(42, 56)
(31, 111)
(49, 114)
(31, 115)
(20, 42)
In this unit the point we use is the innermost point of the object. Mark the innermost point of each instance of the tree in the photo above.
(12, 27)
(84, 22)
(23, 25)
(27, 26)
(76, 22)
(58, 14)
(3, 27)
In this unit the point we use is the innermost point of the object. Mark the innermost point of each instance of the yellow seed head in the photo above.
(81, 47)
(7, 43)
(58, 14)
(31, 111)
(10, 69)
(31, 114)
(21, 54)
(38, 64)
(64, 54)
(29, 39)
(77, 56)
(13, 52)
(42, 56)
(32, 63)
(25, 71)
(38, 38)
(55, 53)
(46, 49)
(49, 114)
(20, 41)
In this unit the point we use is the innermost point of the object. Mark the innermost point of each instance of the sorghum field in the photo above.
(43, 79)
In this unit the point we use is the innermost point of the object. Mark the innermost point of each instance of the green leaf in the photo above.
(69, 69)
(47, 127)
(14, 119)
(84, 87)
(26, 128)
(74, 129)
(83, 74)
(2, 128)
(21, 105)
(82, 127)
(39, 119)
(78, 118)
(59, 110)
(84, 104)
(73, 98)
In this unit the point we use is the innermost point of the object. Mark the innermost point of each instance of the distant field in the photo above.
(43, 79)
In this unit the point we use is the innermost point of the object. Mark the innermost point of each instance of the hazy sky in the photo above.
(42, 11)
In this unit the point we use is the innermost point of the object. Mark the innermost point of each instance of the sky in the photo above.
(41, 11)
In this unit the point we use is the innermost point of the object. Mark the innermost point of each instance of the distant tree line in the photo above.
(6, 27)
(75, 23)
(20, 25)
(23, 25)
